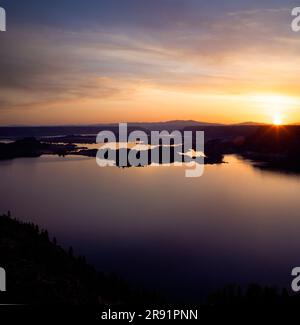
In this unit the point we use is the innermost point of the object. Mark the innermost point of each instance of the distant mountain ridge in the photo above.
(187, 122)
(93, 129)
(36, 131)
(249, 123)
(171, 125)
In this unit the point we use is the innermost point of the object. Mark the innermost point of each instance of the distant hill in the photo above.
(92, 130)
(42, 131)
(249, 123)
(171, 125)
(225, 132)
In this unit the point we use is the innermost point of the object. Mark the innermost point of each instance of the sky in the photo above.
(98, 61)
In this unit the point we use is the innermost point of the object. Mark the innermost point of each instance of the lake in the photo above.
(183, 237)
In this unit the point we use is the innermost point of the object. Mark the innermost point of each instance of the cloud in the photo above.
(67, 50)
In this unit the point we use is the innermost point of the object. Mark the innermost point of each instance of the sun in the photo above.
(277, 120)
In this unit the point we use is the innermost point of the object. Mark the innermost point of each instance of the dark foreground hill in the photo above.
(40, 271)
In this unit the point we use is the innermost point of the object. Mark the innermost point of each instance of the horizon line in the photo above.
(142, 122)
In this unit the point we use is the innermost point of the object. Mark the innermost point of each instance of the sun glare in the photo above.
(277, 120)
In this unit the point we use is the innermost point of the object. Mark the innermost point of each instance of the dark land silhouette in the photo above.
(31, 147)
(269, 147)
(274, 148)
(253, 295)
(154, 155)
(39, 271)
(51, 131)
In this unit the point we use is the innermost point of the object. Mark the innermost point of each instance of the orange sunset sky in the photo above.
(117, 61)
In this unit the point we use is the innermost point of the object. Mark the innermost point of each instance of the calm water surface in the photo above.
(183, 237)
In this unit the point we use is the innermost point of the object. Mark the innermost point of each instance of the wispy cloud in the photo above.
(119, 48)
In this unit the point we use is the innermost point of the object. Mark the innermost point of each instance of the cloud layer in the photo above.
(97, 52)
